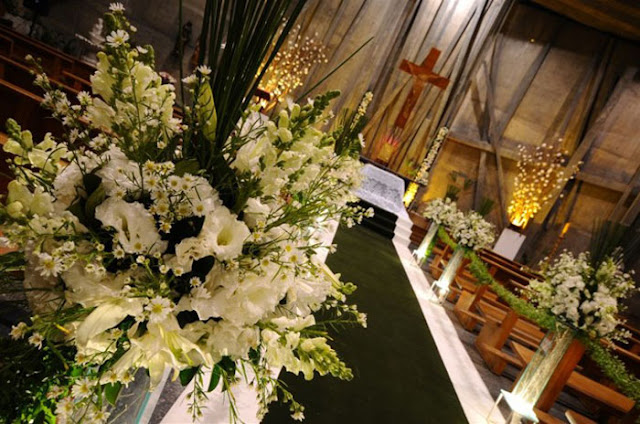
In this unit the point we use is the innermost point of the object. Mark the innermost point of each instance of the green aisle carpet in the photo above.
(398, 374)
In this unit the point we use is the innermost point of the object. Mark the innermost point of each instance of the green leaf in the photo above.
(207, 112)
(228, 366)
(215, 378)
(187, 374)
(111, 392)
(187, 166)
(96, 198)
(91, 182)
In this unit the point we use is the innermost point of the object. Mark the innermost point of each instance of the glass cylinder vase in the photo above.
(132, 400)
(421, 252)
(535, 377)
(440, 287)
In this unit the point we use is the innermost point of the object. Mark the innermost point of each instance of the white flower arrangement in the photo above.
(441, 212)
(582, 296)
(149, 260)
(422, 176)
(470, 230)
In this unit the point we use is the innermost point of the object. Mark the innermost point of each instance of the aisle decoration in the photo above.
(138, 256)
(471, 232)
(597, 347)
(441, 213)
(583, 296)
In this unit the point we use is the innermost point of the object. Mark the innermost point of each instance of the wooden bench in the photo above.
(20, 74)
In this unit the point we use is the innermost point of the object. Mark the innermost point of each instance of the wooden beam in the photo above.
(616, 16)
(617, 211)
(480, 180)
(600, 126)
(512, 155)
(632, 212)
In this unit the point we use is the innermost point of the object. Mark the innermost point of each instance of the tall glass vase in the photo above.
(535, 377)
(421, 252)
(440, 288)
(132, 400)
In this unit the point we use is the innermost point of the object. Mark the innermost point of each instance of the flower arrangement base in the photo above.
(420, 254)
(132, 400)
(440, 287)
(545, 362)
(521, 411)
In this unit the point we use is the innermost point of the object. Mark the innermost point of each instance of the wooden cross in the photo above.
(422, 74)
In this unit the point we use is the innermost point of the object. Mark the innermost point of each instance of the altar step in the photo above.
(383, 222)
(387, 224)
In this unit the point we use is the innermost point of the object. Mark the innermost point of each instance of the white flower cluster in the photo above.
(422, 176)
(441, 211)
(152, 261)
(581, 296)
(471, 230)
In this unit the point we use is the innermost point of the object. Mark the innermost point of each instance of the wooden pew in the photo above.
(53, 61)
(19, 74)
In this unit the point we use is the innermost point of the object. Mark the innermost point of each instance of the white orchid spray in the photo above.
(583, 296)
(149, 245)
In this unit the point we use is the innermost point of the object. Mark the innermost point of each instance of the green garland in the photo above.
(612, 367)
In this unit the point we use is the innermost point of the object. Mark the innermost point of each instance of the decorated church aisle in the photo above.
(399, 376)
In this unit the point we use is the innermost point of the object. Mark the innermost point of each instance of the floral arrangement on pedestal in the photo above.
(440, 212)
(582, 295)
(145, 245)
(471, 231)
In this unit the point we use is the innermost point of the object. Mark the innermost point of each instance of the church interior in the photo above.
(477, 180)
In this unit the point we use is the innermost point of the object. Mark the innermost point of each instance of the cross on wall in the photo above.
(422, 75)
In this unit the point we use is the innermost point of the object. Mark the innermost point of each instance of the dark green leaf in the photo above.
(186, 375)
(187, 166)
(91, 182)
(111, 392)
(215, 378)
(96, 198)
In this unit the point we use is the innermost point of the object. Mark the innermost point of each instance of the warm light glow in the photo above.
(291, 65)
(565, 229)
(410, 194)
(541, 173)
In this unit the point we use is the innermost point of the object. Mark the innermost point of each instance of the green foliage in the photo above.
(606, 240)
(347, 133)
(250, 31)
(614, 369)
(216, 373)
(111, 392)
(486, 206)
(26, 370)
(187, 374)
